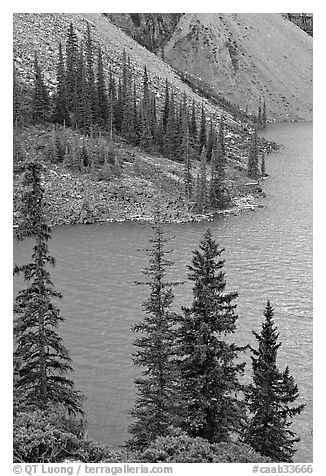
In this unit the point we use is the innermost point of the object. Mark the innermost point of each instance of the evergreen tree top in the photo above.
(206, 261)
(267, 339)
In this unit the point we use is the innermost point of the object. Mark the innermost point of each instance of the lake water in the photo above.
(268, 255)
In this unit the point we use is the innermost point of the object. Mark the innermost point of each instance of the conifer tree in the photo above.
(146, 137)
(221, 156)
(103, 102)
(153, 119)
(146, 96)
(193, 124)
(271, 397)
(84, 154)
(125, 76)
(264, 116)
(61, 110)
(112, 103)
(72, 55)
(183, 138)
(165, 113)
(41, 102)
(263, 168)
(210, 141)
(187, 166)
(170, 136)
(76, 154)
(216, 197)
(253, 171)
(84, 111)
(209, 373)
(51, 150)
(202, 196)
(202, 133)
(259, 117)
(90, 78)
(127, 111)
(154, 408)
(135, 118)
(41, 360)
(118, 108)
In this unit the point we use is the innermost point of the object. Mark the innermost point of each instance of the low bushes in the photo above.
(183, 449)
(52, 436)
(46, 436)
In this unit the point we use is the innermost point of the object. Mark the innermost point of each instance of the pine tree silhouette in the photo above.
(41, 102)
(270, 398)
(154, 408)
(41, 360)
(72, 55)
(209, 371)
(253, 171)
(61, 110)
(202, 132)
(103, 101)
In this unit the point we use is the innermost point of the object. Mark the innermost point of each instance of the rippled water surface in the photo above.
(268, 255)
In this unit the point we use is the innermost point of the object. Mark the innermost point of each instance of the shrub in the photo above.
(46, 436)
(92, 452)
(105, 173)
(183, 449)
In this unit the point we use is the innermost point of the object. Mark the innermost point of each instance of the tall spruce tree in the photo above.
(112, 103)
(211, 141)
(193, 124)
(209, 371)
(84, 108)
(90, 78)
(202, 132)
(271, 397)
(216, 196)
(252, 169)
(103, 101)
(202, 192)
(170, 136)
(165, 112)
(61, 110)
(183, 139)
(154, 409)
(40, 358)
(220, 149)
(153, 119)
(187, 166)
(146, 137)
(127, 110)
(135, 118)
(72, 55)
(259, 116)
(41, 101)
(118, 107)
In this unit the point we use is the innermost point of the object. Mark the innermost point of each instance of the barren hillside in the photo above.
(245, 56)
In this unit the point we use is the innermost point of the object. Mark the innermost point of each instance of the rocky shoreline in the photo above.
(85, 204)
(81, 198)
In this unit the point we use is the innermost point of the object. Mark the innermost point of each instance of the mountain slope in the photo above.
(245, 56)
(42, 32)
